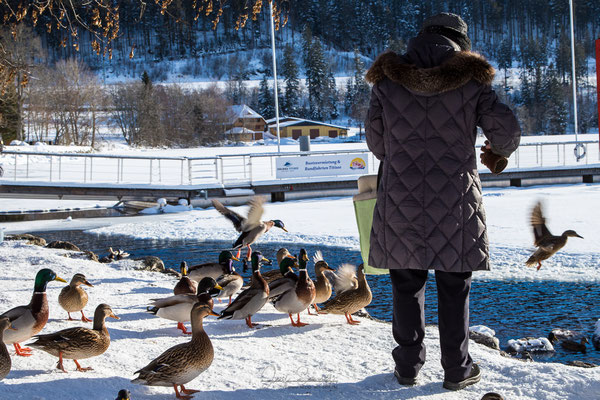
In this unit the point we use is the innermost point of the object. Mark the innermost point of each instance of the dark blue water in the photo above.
(513, 309)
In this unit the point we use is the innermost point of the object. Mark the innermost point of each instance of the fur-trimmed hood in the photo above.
(453, 73)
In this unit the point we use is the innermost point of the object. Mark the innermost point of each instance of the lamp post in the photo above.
(579, 147)
(275, 77)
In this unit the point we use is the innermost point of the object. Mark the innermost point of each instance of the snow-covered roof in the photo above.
(291, 121)
(242, 111)
(238, 130)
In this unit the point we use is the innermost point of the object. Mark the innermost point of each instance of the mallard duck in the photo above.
(251, 300)
(251, 227)
(73, 298)
(178, 307)
(123, 395)
(185, 284)
(213, 269)
(113, 256)
(547, 243)
(575, 345)
(492, 396)
(292, 294)
(30, 319)
(274, 274)
(184, 362)
(78, 343)
(323, 287)
(351, 300)
(230, 283)
(5, 362)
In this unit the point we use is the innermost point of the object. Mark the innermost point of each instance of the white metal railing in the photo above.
(226, 170)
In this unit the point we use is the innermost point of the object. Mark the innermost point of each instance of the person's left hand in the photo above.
(494, 162)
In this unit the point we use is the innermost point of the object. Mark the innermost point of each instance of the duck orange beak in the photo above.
(58, 278)
(87, 283)
(214, 314)
(112, 315)
(234, 258)
(217, 286)
(266, 260)
(285, 230)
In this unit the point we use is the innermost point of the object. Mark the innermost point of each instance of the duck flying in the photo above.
(546, 242)
(250, 227)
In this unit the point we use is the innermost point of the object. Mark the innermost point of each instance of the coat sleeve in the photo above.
(498, 123)
(374, 126)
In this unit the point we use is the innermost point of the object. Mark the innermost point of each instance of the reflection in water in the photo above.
(513, 309)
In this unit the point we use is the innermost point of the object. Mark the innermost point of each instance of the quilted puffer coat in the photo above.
(422, 124)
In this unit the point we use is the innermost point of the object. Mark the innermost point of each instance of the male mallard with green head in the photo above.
(251, 300)
(293, 294)
(78, 343)
(73, 298)
(5, 362)
(250, 227)
(547, 243)
(213, 269)
(350, 301)
(29, 320)
(275, 274)
(185, 284)
(178, 307)
(323, 287)
(184, 362)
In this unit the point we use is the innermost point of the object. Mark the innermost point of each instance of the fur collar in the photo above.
(453, 73)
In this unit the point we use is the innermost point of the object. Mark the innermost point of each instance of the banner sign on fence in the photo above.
(305, 166)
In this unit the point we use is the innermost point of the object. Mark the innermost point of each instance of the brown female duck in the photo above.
(547, 243)
(184, 362)
(5, 362)
(185, 284)
(351, 300)
(323, 287)
(275, 274)
(250, 227)
(78, 343)
(30, 319)
(73, 298)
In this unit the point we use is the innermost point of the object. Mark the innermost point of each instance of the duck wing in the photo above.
(280, 286)
(174, 300)
(237, 219)
(15, 313)
(254, 214)
(344, 278)
(164, 364)
(66, 338)
(538, 222)
(240, 301)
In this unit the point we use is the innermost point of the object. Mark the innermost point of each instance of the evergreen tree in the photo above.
(505, 58)
(555, 112)
(9, 115)
(357, 93)
(290, 105)
(266, 106)
(316, 75)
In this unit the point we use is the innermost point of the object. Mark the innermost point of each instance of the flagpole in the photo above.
(275, 78)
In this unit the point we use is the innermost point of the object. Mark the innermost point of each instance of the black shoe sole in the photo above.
(405, 381)
(471, 380)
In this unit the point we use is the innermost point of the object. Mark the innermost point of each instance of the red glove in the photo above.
(494, 162)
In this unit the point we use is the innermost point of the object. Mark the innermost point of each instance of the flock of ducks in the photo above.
(192, 300)
(288, 288)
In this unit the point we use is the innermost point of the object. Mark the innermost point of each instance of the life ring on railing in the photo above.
(580, 151)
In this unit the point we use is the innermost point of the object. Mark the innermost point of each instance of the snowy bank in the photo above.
(327, 359)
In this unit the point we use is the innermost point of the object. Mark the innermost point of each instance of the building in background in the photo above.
(245, 124)
(295, 127)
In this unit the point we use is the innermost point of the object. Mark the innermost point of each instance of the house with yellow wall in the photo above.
(245, 124)
(295, 127)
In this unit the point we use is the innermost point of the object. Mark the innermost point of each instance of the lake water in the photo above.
(513, 309)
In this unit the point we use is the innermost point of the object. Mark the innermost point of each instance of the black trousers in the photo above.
(408, 289)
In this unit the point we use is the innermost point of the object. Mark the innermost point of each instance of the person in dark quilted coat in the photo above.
(422, 124)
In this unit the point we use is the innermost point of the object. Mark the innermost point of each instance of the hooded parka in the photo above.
(422, 124)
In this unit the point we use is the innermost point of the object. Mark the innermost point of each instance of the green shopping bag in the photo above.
(364, 204)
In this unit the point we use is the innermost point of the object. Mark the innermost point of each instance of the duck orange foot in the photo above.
(80, 368)
(181, 326)
(297, 324)
(184, 393)
(350, 320)
(84, 318)
(22, 351)
(249, 322)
